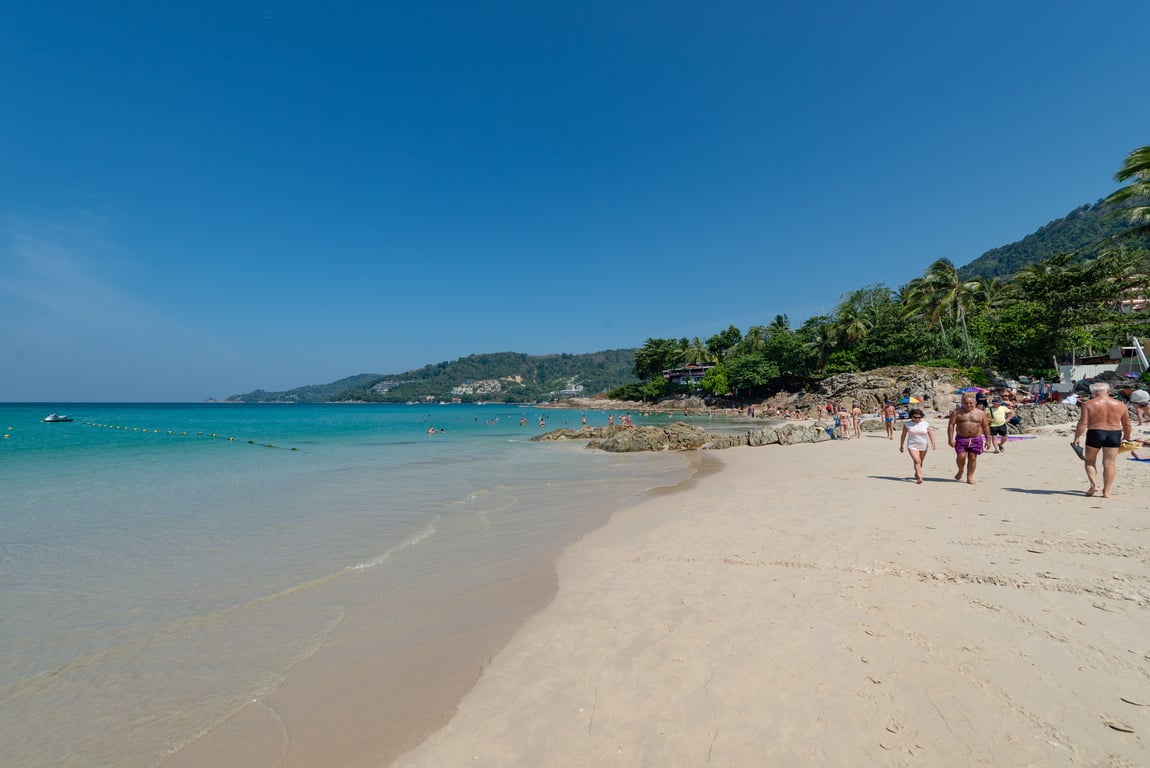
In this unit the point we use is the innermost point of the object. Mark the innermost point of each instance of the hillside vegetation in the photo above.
(1086, 231)
(497, 377)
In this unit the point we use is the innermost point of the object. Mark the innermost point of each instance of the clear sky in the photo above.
(199, 199)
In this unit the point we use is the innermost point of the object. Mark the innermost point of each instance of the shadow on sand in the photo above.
(910, 479)
(1039, 492)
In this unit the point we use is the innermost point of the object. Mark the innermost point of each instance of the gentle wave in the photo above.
(407, 543)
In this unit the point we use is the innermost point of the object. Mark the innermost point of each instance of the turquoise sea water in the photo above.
(161, 565)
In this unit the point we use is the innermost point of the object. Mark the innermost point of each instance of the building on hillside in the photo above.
(481, 387)
(572, 389)
(688, 374)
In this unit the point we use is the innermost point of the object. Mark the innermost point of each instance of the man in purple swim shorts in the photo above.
(969, 445)
(968, 432)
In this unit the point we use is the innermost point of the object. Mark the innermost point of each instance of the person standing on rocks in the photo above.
(968, 432)
(1106, 424)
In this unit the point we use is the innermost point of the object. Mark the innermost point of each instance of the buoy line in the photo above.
(184, 433)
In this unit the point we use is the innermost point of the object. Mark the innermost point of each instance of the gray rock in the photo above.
(676, 437)
(684, 437)
(1046, 414)
(935, 387)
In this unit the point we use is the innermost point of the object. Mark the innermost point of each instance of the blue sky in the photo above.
(200, 199)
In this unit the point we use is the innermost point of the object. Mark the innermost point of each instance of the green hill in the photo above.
(1085, 231)
(498, 377)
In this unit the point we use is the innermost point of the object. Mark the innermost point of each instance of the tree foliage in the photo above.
(1132, 202)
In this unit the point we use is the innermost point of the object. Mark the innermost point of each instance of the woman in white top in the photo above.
(917, 437)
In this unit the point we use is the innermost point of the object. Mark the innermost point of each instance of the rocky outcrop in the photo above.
(935, 387)
(1046, 414)
(684, 437)
(784, 434)
(676, 437)
(676, 404)
(629, 439)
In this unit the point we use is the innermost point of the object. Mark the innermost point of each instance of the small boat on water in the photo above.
(54, 417)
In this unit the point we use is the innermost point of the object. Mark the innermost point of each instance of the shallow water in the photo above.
(161, 565)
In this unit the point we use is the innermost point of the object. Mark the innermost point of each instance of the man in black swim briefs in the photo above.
(1103, 438)
(1105, 423)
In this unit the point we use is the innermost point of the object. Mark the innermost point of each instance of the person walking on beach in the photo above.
(888, 414)
(968, 432)
(917, 437)
(1000, 413)
(1106, 424)
(856, 420)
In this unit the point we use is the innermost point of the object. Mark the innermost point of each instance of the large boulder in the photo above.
(935, 387)
(586, 433)
(782, 434)
(1046, 414)
(685, 437)
(628, 439)
(676, 437)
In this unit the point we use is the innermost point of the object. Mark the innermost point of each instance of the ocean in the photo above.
(163, 565)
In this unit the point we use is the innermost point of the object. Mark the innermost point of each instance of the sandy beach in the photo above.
(811, 605)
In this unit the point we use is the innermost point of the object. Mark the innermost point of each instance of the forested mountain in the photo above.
(1085, 231)
(498, 377)
(313, 393)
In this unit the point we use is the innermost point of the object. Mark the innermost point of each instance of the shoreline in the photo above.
(813, 606)
(377, 688)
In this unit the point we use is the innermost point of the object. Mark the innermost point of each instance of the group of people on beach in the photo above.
(968, 432)
(1104, 423)
(848, 423)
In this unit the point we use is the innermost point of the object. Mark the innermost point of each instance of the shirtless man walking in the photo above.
(968, 432)
(888, 414)
(1106, 423)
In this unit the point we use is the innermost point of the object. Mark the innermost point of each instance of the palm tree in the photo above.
(851, 325)
(823, 341)
(755, 338)
(918, 303)
(1136, 167)
(940, 293)
(995, 294)
(699, 352)
(685, 351)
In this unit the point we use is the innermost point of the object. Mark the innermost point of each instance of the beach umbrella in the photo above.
(969, 389)
(906, 400)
